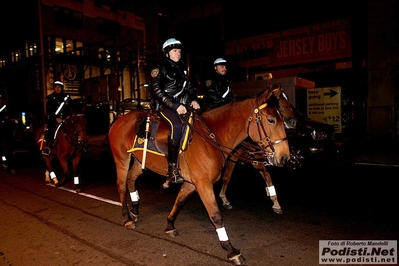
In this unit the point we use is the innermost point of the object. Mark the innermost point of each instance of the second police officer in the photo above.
(218, 86)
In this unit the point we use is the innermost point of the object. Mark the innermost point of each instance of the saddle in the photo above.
(158, 134)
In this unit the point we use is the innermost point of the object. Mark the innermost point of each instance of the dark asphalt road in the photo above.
(44, 225)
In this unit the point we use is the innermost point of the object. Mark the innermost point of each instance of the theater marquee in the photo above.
(318, 42)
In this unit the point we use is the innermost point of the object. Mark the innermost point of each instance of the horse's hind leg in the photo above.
(128, 194)
(270, 190)
(228, 171)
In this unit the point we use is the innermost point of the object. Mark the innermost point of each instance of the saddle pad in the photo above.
(151, 147)
(138, 144)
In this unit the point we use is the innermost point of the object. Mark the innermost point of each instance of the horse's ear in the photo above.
(264, 97)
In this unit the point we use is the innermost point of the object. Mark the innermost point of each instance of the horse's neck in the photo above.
(229, 122)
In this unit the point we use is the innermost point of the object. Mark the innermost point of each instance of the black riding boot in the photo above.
(173, 152)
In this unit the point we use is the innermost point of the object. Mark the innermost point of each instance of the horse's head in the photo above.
(268, 130)
(284, 105)
(79, 125)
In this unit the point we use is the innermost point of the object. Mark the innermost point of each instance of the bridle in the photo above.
(72, 137)
(289, 121)
(264, 142)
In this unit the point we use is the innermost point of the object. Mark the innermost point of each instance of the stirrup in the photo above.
(174, 177)
(46, 151)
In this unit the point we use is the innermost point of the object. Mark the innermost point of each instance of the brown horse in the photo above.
(249, 151)
(213, 135)
(70, 140)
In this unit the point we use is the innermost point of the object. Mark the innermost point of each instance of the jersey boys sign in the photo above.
(318, 42)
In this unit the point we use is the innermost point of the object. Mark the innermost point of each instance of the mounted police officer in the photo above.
(57, 110)
(171, 92)
(6, 136)
(218, 85)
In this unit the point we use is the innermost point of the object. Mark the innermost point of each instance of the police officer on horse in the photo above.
(171, 92)
(218, 86)
(57, 110)
(6, 134)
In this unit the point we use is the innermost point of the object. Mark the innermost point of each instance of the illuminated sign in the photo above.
(318, 42)
(324, 105)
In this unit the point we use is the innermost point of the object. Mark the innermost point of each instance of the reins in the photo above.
(211, 138)
(71, 136)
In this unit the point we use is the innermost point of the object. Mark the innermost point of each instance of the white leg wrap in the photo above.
(134, 196)
(52, 175)
(76, 180)
(271, 191)
(222, 234)
(4, 158)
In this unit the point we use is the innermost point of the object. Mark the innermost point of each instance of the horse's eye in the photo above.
(271, 120)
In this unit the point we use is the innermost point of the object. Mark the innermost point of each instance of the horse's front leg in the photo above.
(64, 163)
(49, 174)
(205, 191)
(182, 197)
(75, 165)
(228, 171)
(270, 190)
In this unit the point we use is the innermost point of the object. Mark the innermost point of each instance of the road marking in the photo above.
(88, 195)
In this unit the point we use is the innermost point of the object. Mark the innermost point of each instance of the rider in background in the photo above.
(218, 86)
(6, 136)
(171, 91)
(57, 110)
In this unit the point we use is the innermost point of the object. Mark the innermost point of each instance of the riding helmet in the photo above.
(220, 61)
(59, 83)
(170, 44)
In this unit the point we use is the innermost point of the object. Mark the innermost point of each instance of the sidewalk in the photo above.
(377, 153)
(379, 158)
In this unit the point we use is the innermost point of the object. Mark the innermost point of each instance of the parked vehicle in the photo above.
(312, 139)
(130, 104)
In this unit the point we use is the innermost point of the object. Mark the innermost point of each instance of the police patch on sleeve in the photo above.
(155, 72)
(208, 83)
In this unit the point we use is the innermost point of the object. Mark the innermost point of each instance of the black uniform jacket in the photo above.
(170, 86)
(53, 102)
(219, 91)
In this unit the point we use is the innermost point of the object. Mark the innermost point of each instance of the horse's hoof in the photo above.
(58, 184)
(238, 260)
(130, 225)
(133, 216)
(278, 211)
(227, 206)
(171, 233)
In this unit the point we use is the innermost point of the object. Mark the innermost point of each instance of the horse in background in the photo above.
(248, 151)
(212, 136)
(69, 144)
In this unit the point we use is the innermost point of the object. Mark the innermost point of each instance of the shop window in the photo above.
(15, 56)
(30, 49)
(59, 45)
